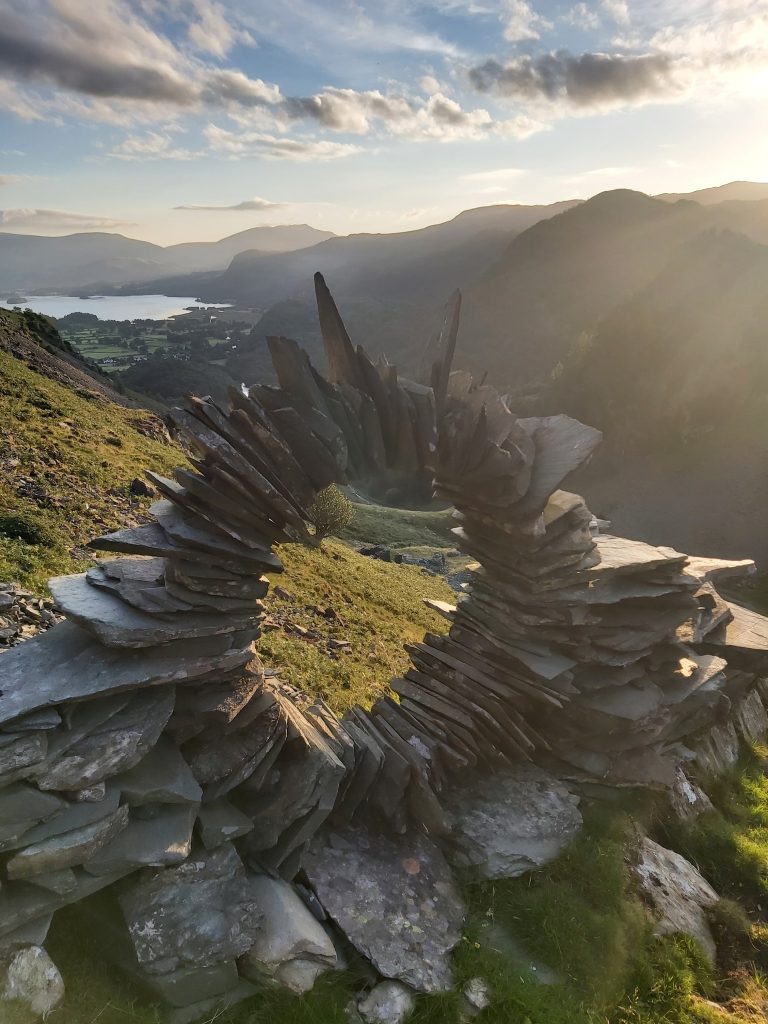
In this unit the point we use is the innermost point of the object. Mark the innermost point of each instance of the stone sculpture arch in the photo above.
(142, 734)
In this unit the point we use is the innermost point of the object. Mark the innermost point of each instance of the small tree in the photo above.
(330, 512)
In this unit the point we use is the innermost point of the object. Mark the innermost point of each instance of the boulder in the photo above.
(200, 913)
(390, 1002)
(677, 895)
(291, 947)
(510, 822)
(394, 898)
(33, 979)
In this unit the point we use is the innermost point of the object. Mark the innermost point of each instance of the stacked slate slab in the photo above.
(154, 774)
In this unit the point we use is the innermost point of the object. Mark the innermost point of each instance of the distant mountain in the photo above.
(677, 377)
(563, 275)
(87, 259)
(744, 190)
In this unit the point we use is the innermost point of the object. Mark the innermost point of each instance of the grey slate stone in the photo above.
(68, 849)
(67, 664)
(161, 777)
(510, 822)
(395, 900)
(220, 822)
(159, 840)
(118, 745)
(198, 914)
(117, 624)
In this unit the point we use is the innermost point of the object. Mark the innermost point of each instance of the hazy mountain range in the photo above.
(647, 317)
(36, 263)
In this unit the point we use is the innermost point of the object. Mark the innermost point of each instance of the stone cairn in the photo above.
(219, 828)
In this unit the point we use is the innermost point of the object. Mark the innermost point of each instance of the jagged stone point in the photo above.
(223, 830)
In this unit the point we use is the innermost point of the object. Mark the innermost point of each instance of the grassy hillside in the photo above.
(66, 463)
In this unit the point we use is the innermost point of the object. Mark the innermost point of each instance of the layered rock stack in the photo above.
(146, 756)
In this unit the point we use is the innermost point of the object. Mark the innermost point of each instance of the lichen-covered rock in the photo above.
(676, 893)
(197, 914)
(33, 978)
(510, 822)
(394, 898)
(390, 1002)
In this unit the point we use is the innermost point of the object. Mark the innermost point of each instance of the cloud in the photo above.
(273, 147)
(56, 220)
(616, 9)
(583, 16)
(522, 22)
(83, 52)
(589, 80)
(11, 179)
(247, 205)
(500, 174)
(151, 146)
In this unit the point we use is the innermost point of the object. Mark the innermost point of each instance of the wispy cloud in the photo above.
(11, 179)
(56, 220)
(248, 205)
(500, 174)
(274, 147)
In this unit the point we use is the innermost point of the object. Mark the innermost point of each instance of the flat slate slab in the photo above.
(66, 663)
(395, 900)
(118, 624)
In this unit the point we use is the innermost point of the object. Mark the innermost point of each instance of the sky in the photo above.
(181, 120)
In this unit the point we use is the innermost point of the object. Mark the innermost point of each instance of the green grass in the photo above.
(66, 462)
(379, 606)
(398, 528)
(730, 845)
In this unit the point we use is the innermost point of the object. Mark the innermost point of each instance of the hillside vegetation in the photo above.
(67, 459)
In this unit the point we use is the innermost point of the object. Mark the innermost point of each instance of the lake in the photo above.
(113, 307)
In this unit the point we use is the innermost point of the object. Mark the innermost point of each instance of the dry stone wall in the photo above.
(224, 829)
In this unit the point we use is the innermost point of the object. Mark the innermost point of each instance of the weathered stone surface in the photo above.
(33, 979)
(220, 822)
(67, 850)
(198, 914)
(291, 947)
(750, 718)
(67, 664)
(718, 749)
(394, 899)
(117, 624)
(162, 838)
(19, 753)
(116, 746)
(68, 818)
(22, 807)
(677, 894)
(192, 985)
(687, 799)
(161, 777)
(514, 821)
(389, 1002)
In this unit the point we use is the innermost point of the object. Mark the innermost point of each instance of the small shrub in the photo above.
(330, 513)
